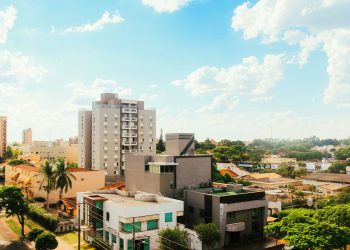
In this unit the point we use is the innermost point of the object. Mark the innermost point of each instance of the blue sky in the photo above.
(218, 68)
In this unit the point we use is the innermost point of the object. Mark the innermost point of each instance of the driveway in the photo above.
(9, 240)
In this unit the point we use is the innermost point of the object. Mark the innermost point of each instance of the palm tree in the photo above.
(47, 171)
(63, 178)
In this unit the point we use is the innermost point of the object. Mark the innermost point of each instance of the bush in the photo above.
(34, 234)
(40, 216)
(16, 162)
(46, 241)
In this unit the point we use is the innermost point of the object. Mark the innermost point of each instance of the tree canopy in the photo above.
(209, 234)
(173, 238)
(13, 202)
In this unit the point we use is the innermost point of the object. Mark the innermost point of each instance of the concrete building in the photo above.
(73, 140)
(112, 216)
(239, 213)
(274, 161)
(169, 174)
(3, 135)
(27, 136)
(84, 141)
(48, 150)
(117, 126)
(29, 178)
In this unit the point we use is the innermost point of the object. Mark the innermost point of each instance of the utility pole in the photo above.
(78, 225)
(133, 233)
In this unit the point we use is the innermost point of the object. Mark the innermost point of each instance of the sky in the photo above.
(217, 68)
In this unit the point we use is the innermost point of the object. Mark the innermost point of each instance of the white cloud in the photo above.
(106, 18)
(219, 103)
(153, 85)
(250, 78)
(165, 5)
(83, 94)
(261, 98)
(312, 25)
(16, 67)
(7, 20)
(148, 97)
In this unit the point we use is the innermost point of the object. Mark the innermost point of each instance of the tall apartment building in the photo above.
(3, 135)
(27, 136)
(117, 126)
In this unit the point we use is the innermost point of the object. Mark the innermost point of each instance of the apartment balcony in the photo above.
(129, 127)
(129, 119)
(129, 110)
(129, 135)
(129, 143)
(235, 227)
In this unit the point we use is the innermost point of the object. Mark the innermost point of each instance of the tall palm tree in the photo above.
(47, 171)
(63, 178)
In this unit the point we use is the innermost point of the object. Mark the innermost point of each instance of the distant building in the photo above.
(327, 183)
(113, 128)
(27, 136)
(3, 136)
(48, 150)
(73, 140)
(113, 216)
(274, 161)
(171, 173)
(240, 214)
(313, 166)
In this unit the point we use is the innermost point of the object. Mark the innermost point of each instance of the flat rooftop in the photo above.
(131, 201)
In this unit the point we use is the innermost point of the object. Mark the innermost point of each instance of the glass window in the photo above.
(107, 236)
(128, 228)
(121, 243)
(255, 213)
(230, 217)
(168, 217)
(201, 213)
(107, 216)
(152, 224)
(130, 245)
(114, 238)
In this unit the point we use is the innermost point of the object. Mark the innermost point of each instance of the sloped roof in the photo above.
(328, 177)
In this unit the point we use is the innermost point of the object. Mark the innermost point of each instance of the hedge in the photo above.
(40, 216)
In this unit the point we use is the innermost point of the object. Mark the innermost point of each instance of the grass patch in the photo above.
(31, 224)
(14, 226)
(70, 238)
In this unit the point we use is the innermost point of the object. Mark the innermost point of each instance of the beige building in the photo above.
(274, 161)
(3, 135)
(27, 136)
(113, 128)
(48, 150)
(28, 177)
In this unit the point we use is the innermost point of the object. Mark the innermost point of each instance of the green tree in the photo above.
(46, 241)
(209, 234)
(173, 238)
(338, 215)
(286, 171)
(34, 234)
(9, 152)
(318, 236)
(13, 202)
(338, 167)
(63, 178)
(47, 171)
(300, 172)
(160, 144)
(226, 154)
(342, 154)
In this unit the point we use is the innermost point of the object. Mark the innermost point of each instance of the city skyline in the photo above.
(246, 77)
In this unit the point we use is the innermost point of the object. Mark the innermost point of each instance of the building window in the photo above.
(121, 243)
(230, 217)
(168, 217)
(114, 238)
(152, 224)
(190, 209)
(128, 228)
(107, 236)
(107, 216)
(201, 213)
(255, 213)
(146, 168)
